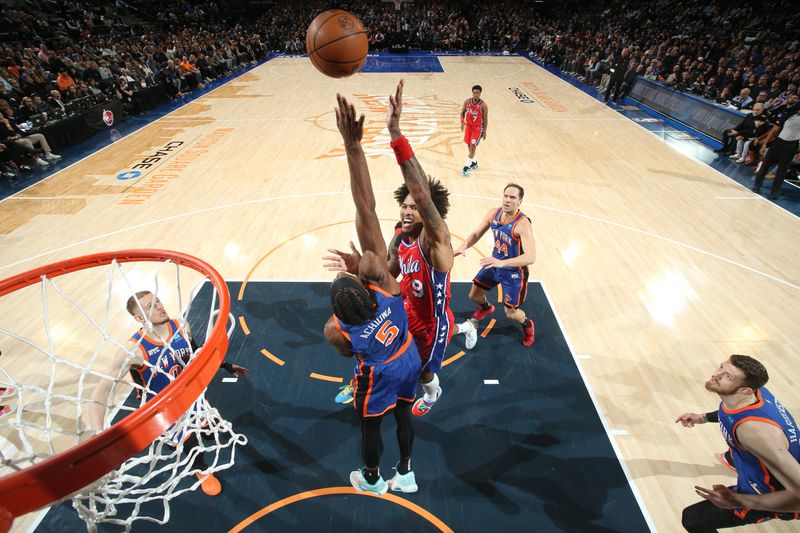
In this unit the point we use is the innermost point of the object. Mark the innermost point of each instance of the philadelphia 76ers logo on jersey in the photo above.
(409, 267)
(108, 117)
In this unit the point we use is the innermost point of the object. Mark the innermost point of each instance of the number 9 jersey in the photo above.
(426, 293)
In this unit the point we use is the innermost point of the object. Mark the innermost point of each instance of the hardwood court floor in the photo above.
(658, 266)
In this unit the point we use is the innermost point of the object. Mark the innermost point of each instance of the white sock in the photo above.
(431, 389)
(464, 327)
(468, 163)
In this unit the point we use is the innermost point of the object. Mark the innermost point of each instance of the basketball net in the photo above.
(51, 365)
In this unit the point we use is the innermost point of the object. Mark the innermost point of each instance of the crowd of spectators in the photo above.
(65, 52)
(734, 52)
(742, 55)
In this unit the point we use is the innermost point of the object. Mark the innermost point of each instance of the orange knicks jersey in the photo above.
(474, 116)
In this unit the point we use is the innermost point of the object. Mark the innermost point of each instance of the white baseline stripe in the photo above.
(631, 483)
(737, 198)
(706, 165)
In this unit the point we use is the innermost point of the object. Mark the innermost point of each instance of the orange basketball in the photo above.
(337, 43)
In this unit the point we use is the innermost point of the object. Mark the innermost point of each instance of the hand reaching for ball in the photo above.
(394, 110)
(352, 130)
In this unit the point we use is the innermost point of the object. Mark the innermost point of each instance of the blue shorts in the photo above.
(514, 282)
(378, 388)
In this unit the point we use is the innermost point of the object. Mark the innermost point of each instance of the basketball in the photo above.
(337, 43)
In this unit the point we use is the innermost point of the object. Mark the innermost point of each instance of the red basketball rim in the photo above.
(69, 471)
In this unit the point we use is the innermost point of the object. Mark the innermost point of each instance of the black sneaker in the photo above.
(464, 171)
(474, 165)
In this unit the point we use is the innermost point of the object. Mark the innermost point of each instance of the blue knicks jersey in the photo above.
(753, 475)
(505, 244)
(383, 338)
(169, 359)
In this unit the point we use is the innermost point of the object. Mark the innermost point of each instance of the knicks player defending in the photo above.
(763, 440)
(514, 249)
(154, 356)
(474, 121)
(370, 322)
(421, 252)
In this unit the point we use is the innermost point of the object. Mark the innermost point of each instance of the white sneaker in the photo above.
(41, 162)
(740, 161)
(51, 156)
(471, 335)
(404, 482)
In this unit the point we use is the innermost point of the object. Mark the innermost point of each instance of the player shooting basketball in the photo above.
(370, 322)
(423, 254)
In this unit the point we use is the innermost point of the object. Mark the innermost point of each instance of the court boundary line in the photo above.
(461, 195)
(610, 432)
(603, 420)
(562, 77)
(404, 75)
(756, 196)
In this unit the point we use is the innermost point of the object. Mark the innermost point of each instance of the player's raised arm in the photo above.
(352, 130)
(435, 235)
(373, 269)
(477, 233)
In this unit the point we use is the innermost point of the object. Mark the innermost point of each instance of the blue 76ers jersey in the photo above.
(753, 477)
(383, 338)
(505, 244)
(169, 359)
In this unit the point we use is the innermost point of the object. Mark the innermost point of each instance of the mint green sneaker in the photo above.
(361, 485)
(403, 482)
(345, 394)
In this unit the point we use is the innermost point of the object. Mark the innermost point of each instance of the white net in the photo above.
(72, 367)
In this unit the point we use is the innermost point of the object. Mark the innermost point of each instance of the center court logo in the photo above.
(427, 122)
(522, 96)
